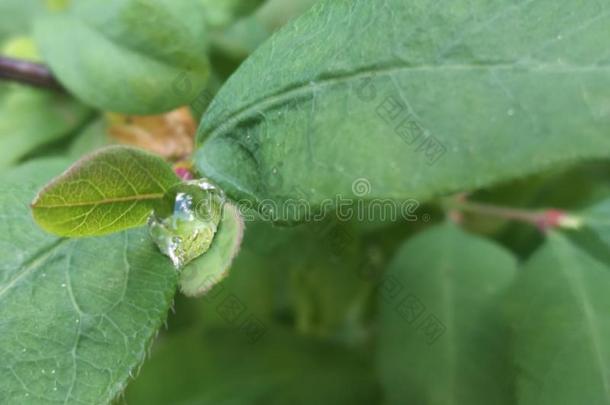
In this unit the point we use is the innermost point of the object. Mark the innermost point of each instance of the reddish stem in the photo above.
(30, 73)
(543, 220)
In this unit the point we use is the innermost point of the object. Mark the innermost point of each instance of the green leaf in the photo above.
(442, 341)
(420, 100)
(589, 230)
(242, 37)
(199, 276)
(598, 219)
(76, 316)
(130, 56)
(31, 118)
(276, 13)
(112, 189)
(16, 16)
(222, 367)
(223, 12)
(559, 309)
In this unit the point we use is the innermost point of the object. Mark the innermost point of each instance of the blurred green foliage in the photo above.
(444, 307)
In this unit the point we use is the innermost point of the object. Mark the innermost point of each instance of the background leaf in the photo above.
(223, 12)
(318, 278)
(199, 276)
(418, 111)
(598, 219)
(233, 43)
(442, 341)
(77, 315)
(130, 56)
(222, 367)
(112, 189)
(559, 310)
(16, 16)
(30, 118)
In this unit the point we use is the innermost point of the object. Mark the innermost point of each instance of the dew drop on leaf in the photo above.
(184, 223)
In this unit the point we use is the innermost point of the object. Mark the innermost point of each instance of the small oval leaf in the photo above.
(107, 191)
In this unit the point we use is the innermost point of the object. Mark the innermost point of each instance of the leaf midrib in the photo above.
(140, 197)
(448, 305)
(267, 102)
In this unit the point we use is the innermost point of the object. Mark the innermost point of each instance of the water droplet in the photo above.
(43, 371)
(54, 388)
(559, 37)
(52, 371)
(511, 112)
(184, 223)
(63, 285)
(77, 320)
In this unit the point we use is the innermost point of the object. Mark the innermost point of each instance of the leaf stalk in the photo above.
(544, 220)
(28, 73)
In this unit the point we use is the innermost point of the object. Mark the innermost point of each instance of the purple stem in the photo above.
(30, 73)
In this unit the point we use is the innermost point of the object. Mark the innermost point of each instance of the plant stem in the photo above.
(497, 211)
(542, 219)
(30, 73)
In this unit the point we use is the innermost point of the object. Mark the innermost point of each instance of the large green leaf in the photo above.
(560, 309)
(76, 316)
(418, 98)
(31, 118)
(112, 189)
(442, 341)
(132, 56)
(222, 367)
